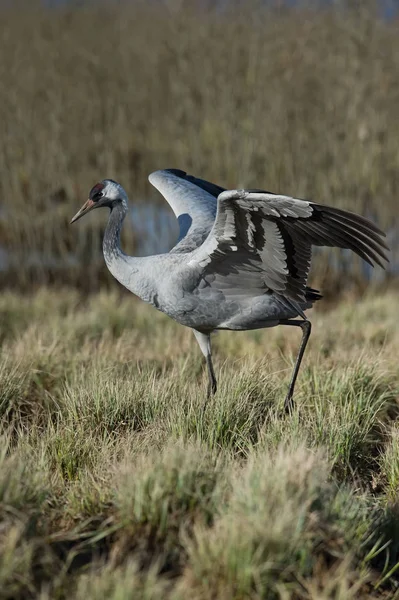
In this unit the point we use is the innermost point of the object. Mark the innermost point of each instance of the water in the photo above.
(155, 228)
(156, 231)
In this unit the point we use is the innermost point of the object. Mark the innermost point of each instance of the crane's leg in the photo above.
(306, 327)
(204, 341)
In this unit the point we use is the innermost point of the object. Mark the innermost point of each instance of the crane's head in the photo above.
(105, 193)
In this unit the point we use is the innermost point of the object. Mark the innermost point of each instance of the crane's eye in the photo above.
(96, 192)
(97, 196)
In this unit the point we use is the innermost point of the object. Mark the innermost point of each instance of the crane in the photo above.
(242, 259)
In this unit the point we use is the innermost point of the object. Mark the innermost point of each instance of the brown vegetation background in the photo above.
(301, 101)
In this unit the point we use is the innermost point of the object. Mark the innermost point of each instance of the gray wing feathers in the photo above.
(270, 204)
(275, 234)
(237, 281)
(192, 200)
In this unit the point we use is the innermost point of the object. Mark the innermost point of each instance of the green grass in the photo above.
(116, 482)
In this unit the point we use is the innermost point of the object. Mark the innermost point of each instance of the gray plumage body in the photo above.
(242, 259)
(167, 283)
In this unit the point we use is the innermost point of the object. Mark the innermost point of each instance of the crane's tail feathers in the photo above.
(295, 307)
(312, 295)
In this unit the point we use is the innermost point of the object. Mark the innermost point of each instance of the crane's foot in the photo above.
(289, 404)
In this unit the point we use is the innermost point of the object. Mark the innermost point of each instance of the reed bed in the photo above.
(301, 101)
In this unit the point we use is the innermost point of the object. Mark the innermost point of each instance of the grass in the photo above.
(116, 483)
(301, 101)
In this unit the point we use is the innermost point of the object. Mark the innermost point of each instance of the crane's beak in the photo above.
(87, 207)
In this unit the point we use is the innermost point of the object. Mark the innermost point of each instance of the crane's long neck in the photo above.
(126, 269)
(112, 235)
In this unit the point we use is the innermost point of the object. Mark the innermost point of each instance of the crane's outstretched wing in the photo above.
(192, 200)
(265, 240)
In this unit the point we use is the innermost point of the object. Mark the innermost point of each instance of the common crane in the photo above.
(241, 261)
